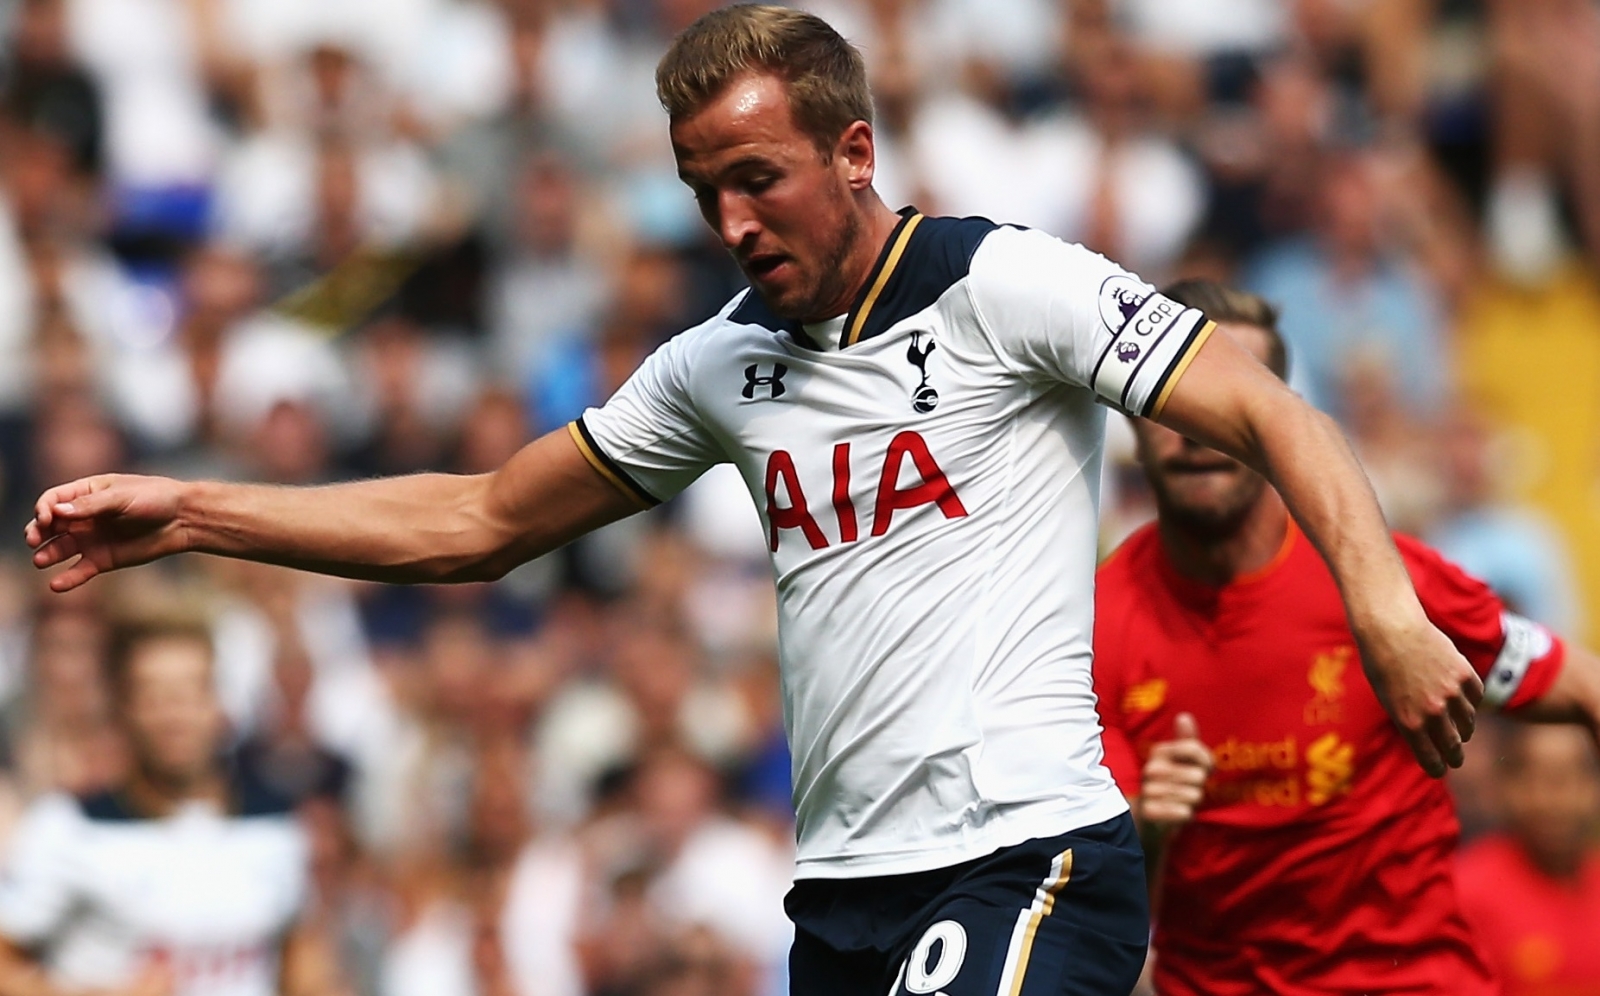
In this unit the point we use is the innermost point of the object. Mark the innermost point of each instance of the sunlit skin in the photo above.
(174, 722)
(803, 223)
(1218, 518)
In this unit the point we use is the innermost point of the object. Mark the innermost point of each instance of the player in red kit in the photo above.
(1302, 853)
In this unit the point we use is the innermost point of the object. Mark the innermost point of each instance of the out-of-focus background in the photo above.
(307, 240)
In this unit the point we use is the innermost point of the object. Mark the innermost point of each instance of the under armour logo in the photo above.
(773, 384)
(924, 398)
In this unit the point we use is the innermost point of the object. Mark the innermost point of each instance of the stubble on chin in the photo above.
(1214, 519)
(830, 284)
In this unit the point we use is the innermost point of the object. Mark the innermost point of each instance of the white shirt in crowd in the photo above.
(105, 894)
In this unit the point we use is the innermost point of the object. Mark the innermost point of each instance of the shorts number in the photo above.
(922, 979)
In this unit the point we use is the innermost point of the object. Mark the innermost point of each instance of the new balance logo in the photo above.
(773, 384)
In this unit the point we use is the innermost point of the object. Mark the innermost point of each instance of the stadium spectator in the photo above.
(1511, 548)
(185, 876)
(1357, 291)
(547, 286)
(1532, 891)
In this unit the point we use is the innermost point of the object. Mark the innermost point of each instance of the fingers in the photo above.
(79, 573)
(1426, 753)
(1185, 748)
(49, 503)
(1463, 717)
(1184, 727)
(1185, 754)
(1174, 784)
(58, 549)
(87, 505)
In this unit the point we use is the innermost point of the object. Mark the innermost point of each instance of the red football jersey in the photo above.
(1542, 936)
(1321, 859)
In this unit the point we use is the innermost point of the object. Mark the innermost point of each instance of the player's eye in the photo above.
(760, 183)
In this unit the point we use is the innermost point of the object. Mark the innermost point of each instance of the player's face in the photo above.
(785, 209)
(175, 724)
(1196, 487)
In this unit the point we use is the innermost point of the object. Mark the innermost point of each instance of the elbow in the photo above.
(478, 546)
(482, 563)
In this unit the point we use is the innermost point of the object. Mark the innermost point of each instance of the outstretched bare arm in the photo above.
(422, 528)
(1229, 401)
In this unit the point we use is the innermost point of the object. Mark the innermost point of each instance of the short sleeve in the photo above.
(36, 886)
(1058, 311)
(1517, 658)
(648, 439)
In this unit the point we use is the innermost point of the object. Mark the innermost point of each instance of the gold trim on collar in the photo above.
(889, 264)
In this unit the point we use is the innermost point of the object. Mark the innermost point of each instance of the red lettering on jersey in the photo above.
(934, 489)
(795, 516)
(842, 506)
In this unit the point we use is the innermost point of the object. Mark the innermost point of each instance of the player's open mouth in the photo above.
(761, 267)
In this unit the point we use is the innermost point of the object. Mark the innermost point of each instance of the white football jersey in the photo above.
(102, 893)
(927, 469)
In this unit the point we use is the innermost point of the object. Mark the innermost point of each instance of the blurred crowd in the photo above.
(300, 241)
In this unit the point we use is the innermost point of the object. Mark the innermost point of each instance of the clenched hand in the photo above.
(1173, 780)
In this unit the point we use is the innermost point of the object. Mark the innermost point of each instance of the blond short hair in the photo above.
(825, 75)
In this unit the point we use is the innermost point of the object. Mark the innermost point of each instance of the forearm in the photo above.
(418, 529)
(422, 528)
(1306, 457)
(1153, 838)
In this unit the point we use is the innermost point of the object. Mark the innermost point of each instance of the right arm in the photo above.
(421, 528)
(1172, 784)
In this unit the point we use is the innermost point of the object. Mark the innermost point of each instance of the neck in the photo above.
(878, 223)
(159, 795)
(1217, 560)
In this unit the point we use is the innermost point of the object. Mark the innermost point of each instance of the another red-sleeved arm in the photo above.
(1517, 658)
(1122, 760)
(1120, 756)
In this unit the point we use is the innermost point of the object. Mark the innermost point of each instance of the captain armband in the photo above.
(1526, 644)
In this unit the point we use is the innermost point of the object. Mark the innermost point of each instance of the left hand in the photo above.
(1427, 687)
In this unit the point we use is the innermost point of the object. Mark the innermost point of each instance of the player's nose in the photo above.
(736, 223)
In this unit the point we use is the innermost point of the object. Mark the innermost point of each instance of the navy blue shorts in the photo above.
(1062, 916)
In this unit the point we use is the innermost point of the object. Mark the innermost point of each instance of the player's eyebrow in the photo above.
(748, 161)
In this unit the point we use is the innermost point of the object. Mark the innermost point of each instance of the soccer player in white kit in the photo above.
(187, 880)
(915, 404)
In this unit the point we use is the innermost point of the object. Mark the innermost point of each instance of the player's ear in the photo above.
(857, 155)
